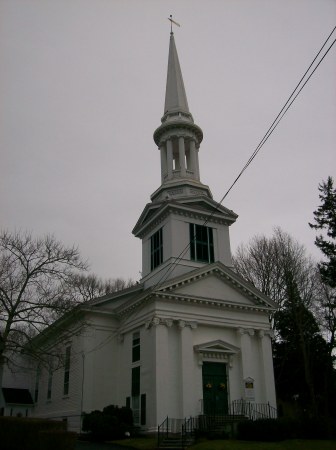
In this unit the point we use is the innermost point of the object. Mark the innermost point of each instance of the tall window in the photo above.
(37, 381)
(136, 394)
(136, 347)
(156, 249)
(201, 243)
(50, 379)
(66, 371)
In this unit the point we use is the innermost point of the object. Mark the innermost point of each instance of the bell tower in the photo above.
(183, 228)
(178, 138)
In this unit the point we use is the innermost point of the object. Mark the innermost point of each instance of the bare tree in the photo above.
(265, 263)
(34, 277)
(280, 268)
(87, 287)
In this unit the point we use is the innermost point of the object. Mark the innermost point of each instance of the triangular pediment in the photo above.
(217, 346)
(217, 284)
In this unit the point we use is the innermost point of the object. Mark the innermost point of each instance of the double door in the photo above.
(215, 393)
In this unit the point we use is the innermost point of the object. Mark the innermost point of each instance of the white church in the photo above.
(192, 337)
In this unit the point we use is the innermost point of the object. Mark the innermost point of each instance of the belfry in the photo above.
(178, 138)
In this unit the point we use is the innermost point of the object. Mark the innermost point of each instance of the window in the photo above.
(136, 347)
(50, 377)
(201, 243)
(37, 380)
(136, 394)
(156, 249)
(143, 409)
(66, 371)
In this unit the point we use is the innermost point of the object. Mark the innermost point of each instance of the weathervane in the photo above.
(172, 22)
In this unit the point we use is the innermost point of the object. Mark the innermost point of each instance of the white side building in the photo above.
(192, 337)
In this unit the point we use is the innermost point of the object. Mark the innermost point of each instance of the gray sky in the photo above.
(82, 86)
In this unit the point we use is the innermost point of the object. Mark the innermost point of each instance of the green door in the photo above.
(215, 397)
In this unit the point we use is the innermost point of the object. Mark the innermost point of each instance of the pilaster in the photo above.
(187, 367)
(267, 363)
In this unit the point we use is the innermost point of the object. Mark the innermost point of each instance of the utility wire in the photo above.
(270, 130)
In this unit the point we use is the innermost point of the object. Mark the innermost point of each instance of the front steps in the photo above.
(220, 426)
(175, 442)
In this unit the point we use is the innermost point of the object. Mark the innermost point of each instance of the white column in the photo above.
(170, 159)
(163, 154)
(267, 364)
(197, 165)
(193, 159)
(187, 369)
(182, 156)
(246, 352)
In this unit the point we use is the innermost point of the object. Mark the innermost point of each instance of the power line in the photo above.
(270, 130)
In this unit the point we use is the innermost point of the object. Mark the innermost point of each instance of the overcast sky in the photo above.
(82, 85)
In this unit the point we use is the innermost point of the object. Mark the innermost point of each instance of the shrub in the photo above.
(111, 423)
(18, 433)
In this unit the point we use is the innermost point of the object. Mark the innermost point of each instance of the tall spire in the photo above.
(176, 98)
(178, 139)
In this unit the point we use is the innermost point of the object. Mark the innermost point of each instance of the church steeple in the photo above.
(176, 98)
(178, 138)
(182, 213)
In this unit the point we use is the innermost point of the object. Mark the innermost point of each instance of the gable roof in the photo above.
(228, 276)
(176, 289)
(17, 396)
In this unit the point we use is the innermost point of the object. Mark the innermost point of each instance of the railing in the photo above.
(237, 410)
(168, 428)
(253, 411)
(188, 430)
(163, 430)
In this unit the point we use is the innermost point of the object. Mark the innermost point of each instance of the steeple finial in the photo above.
(171, 23)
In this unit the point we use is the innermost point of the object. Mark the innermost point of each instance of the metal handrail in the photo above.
(236, 409)
(188, 428)
(253, 411)
(163, 430)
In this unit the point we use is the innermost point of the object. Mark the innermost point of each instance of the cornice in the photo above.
(184, 210)
(172, 126)
(212, 302)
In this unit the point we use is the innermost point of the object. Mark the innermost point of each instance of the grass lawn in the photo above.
(295, 444)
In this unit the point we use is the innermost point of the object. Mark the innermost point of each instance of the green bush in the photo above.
(57, 439)
(111, 423)
(18, 433)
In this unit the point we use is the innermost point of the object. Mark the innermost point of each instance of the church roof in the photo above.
(176, 290)
(176, 98)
